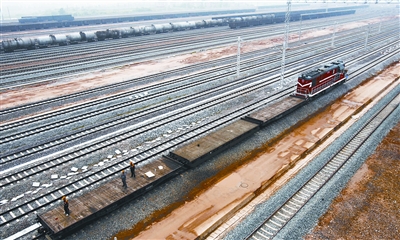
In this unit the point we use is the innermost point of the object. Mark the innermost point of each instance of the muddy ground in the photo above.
(369, 206)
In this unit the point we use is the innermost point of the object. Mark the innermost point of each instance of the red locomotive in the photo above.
(316, 81)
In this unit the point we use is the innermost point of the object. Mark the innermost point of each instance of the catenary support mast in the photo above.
(285, 41)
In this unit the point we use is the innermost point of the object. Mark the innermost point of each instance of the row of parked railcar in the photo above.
(61, 39)
(52, 18)
(247, 21)
(33, 23)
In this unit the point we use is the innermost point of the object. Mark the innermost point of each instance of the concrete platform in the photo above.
(107, 197)
(275, 110)
(201, 150)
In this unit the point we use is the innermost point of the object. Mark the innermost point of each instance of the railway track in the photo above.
(85, 183)
(19, 111)
(102, 46)
(250, 60)
(83, 65)
(95, 177)
(278, 220)
(160, 107)
(18, 158)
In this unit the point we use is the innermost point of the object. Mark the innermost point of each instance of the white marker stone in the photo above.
(117, 152)
(149, 174)
(36, 184)
(54, 176)
(84, 167)
(109, 156)
(160, 167)
(74, 169)
(17, 197)
(47, 185)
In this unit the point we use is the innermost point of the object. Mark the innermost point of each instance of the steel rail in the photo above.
(22, 210)
(126, 84)
(281, 216)
(41, 128)
(19, 78)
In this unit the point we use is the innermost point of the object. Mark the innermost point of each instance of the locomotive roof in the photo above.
(315, 73)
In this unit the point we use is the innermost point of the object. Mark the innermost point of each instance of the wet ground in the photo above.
(219, 201)
(369, 207)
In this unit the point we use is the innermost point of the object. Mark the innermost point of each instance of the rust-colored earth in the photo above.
(369, 207)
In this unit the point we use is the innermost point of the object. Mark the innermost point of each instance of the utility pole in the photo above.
(301, 21)
(366, 37)
(333, 35)
(285, 41)
(380, 25)
(238, 58)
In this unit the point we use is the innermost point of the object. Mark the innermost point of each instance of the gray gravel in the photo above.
(309, 215)
(177, 189)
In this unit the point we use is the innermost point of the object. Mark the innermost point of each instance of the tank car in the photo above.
(318, 80)
(180, 26)
(139, 30)
(60, 39)
(220, 22)
(9, 45)
(200, 24)
(160, 28)
(213, 23)
(191, 24)
(26, 43)
(114, 33)
(89, 36)
(102, 35)
(74, 37)
(208, 22)
(44, 41)
(149, 30)
(127, 32)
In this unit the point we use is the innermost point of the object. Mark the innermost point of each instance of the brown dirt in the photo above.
(369, 207)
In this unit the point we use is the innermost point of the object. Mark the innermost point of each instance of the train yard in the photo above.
(84, 58)
(75, 143)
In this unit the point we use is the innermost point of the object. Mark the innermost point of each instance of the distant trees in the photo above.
(62, 11)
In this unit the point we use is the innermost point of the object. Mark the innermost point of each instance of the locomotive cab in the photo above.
(317, 81)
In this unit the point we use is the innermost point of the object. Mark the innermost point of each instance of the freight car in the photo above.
(248, 21)
(317, 81)
(53, 18)
(189, 155)
(10, 45)
(34, 22)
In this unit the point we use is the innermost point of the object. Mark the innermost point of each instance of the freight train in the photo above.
(247, 21)
(316, 81)
(53, 18)
(59, 21)
(181, 158)
(10, 45)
